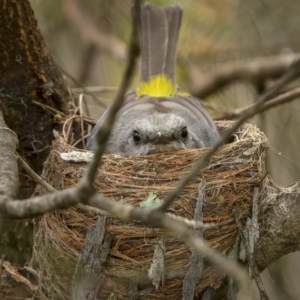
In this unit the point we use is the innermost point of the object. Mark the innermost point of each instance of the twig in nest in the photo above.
(78, 113)
(196, 264)
(248, 243)
(66, 130)
(49, 108)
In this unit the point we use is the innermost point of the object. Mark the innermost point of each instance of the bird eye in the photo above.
(184, 133)
(136, 136)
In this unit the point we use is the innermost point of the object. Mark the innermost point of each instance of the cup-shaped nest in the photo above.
(231, 175)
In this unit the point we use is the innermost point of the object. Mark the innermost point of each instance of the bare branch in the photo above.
(282, 99)
(290, 75)
(195, 224)
(9, 182)
(104, 132)
(255, 71)
(39, 180)
(95, 89)
(35, 176)
(36, 206)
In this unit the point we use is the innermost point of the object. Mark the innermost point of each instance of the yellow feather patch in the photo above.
(158, 86)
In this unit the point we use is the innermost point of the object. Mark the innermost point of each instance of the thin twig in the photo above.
(66, 132)
(86, 184)
(291, 74)
(9, 179)
(49, 108)
(1, 267)
(95, 89)
(81, 119)
(195, 224)
(283, 98)
(34, 176)
(96, 100)
(255, 71)
(84, 136)
(49, 188)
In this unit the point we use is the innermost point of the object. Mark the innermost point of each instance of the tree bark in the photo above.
(29, 79)
(29, 83)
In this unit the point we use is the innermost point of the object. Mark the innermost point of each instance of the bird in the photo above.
(158, 116)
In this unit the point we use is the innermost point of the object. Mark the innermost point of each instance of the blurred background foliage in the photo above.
(213, 33)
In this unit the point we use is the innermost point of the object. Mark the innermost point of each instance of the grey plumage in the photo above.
(150, 124)
(159, 35)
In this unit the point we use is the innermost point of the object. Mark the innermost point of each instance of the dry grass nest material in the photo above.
(231, 175)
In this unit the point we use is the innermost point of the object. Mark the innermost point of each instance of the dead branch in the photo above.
(254, 71)
(86, 184)
(282, 99)
(9, 182)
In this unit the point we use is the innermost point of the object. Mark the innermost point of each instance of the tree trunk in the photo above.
(29, 80)
(30, 83)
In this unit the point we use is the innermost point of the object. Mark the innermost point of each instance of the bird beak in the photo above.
(160, 139)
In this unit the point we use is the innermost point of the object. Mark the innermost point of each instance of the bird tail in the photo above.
(159, 30)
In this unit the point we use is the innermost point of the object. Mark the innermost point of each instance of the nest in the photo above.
(231, 175)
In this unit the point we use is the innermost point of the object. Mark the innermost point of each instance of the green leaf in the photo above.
(57, 117)
(151, 202)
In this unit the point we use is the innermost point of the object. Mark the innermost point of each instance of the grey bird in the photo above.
(157, 116)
